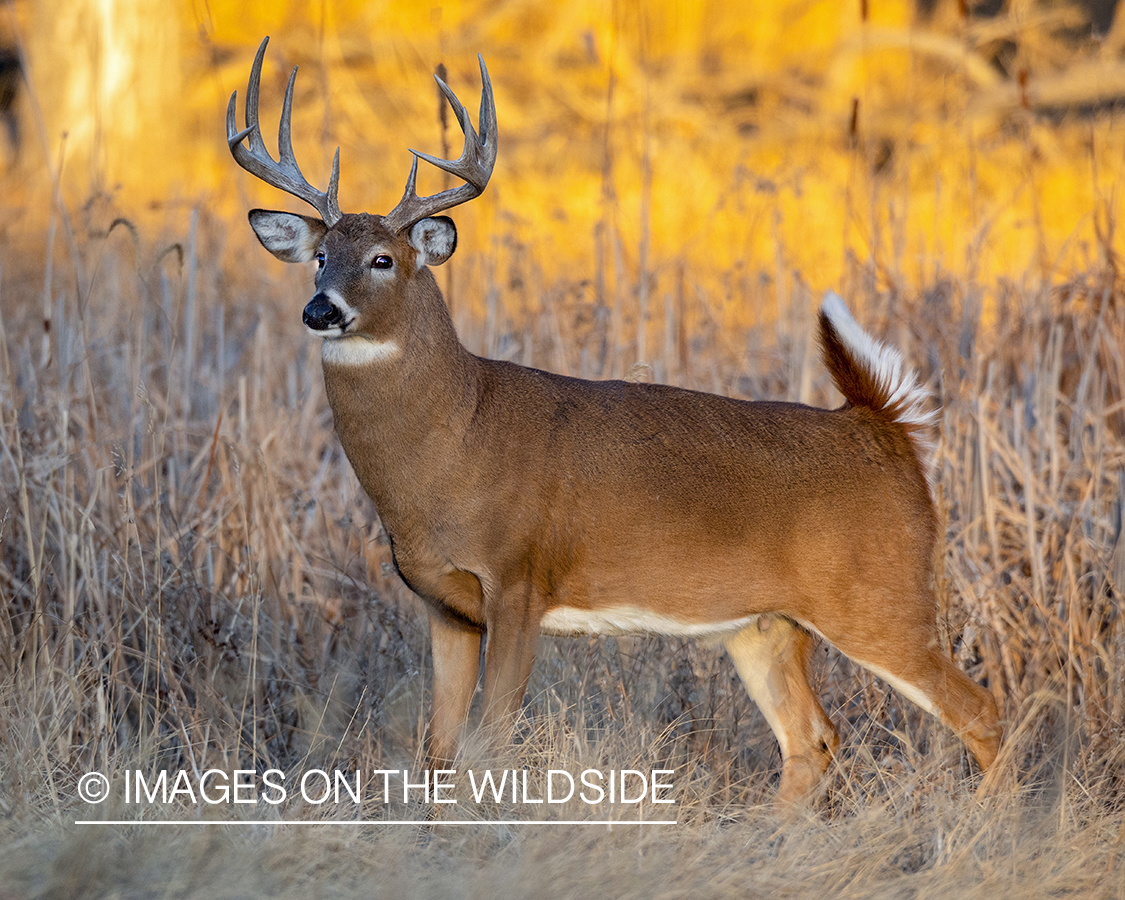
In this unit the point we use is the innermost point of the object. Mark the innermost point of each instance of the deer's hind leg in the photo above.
(921, 672)
(772, 658)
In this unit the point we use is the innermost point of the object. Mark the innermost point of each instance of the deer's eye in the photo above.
(320, 260)
(382, 262)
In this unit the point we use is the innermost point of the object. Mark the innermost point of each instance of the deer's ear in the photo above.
(435, 239)
(288, 236)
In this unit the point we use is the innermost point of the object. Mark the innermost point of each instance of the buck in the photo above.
(519, 502)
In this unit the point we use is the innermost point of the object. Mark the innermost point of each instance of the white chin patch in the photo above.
(334, 332)
(356, 350)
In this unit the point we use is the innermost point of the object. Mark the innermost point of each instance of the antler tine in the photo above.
(487, 121)
(285, 128)
(474, 166)
(284, 173)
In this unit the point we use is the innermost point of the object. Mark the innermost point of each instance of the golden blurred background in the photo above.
(747, 147)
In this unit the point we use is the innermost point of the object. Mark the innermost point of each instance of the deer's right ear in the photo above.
(435, 239)
(288, 236)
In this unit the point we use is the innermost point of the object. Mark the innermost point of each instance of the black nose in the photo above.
(322, 314)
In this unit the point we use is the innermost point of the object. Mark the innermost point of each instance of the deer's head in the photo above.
(365, 262)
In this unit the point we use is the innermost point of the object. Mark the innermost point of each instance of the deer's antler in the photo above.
(283, 173)
(474, 166)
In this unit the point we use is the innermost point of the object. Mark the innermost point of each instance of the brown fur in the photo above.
(508, 492)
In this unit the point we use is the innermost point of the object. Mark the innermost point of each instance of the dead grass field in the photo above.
(191, 578)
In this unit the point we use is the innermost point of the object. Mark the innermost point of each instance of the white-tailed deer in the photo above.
(520, 503)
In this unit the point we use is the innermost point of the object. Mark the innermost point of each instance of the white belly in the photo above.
(566, 620)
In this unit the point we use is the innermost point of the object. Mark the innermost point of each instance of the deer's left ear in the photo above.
(435, 240)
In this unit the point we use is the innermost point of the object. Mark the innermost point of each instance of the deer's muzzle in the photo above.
(321, 314)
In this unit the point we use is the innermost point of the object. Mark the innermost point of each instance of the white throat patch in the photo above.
(358, 350)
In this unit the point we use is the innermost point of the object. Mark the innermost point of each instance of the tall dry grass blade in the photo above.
(190, 364)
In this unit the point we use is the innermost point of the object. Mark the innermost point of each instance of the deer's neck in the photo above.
(402, 402)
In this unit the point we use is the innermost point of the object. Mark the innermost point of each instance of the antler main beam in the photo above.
(283, 173)
(474, 167)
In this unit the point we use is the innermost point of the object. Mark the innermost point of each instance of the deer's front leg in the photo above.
(456, 656)
(513, 632)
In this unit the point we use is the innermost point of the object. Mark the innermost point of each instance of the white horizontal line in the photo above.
(380, 822)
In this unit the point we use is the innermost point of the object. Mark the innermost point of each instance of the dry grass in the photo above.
(192, 579)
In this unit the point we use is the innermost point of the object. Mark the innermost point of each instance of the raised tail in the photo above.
(871, 374)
